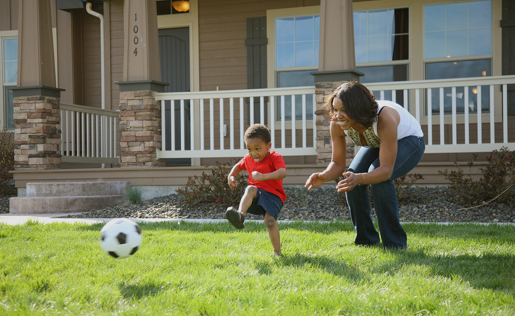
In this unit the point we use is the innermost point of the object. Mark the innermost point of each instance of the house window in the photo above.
(458, 44)
(9, 78)
(381, 43)
(296, 52)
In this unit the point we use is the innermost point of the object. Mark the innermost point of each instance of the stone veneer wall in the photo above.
(37, 138)
(323, 139)
(140, 126)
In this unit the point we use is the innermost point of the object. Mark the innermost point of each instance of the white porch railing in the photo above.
(88, 135)
(459, 115)
(212, 123)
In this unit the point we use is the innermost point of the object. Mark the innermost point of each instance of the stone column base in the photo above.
(37, 138)
(140, 126)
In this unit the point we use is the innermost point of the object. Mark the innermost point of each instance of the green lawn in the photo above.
(213, 269)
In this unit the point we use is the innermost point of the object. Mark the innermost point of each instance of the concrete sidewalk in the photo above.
(17, 219)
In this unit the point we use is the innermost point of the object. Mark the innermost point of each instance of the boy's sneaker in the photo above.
(278, 254)
(235, 218)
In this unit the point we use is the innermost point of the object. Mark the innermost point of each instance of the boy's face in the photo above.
(258, 148)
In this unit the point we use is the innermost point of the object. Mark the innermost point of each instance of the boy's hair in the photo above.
(258, 131)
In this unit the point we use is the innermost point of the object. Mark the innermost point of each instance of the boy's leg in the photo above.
(246, 200)
(236, 218)
(273, 232)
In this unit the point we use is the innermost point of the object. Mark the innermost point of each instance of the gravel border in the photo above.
(425, 204)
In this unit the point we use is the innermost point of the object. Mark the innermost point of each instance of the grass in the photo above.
(212, 269)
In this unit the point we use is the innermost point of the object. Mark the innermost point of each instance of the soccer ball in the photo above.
(120, 238)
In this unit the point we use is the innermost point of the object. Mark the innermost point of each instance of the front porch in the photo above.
(459, 117)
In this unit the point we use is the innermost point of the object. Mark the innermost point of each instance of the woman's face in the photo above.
(341, 118)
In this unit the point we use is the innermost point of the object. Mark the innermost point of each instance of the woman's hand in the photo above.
(232, 182)
(351, 180)
(315, 180)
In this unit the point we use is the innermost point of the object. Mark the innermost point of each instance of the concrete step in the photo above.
(61, 204)
(82, 188)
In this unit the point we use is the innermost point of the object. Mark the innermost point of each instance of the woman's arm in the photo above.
(338, 161)
(386, 130)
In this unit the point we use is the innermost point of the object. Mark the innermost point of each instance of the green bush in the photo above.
(6, 163)
(213, 186)
(496, 184)
(133, 195)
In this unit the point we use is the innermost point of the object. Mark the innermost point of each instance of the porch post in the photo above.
(140, 114)
(37, 138)
(336, 64)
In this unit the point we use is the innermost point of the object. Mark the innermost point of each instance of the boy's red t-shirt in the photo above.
(271, 163)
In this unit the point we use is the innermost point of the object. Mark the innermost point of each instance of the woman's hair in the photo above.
(359, 103)
(258, 131)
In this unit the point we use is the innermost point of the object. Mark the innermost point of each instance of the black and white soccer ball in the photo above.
(120, 238)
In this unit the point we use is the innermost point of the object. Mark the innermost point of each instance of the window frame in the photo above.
(4, 35)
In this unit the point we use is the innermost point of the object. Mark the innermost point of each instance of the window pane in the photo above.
(457, 16)
(304, 29)
(377, 48)
(434, 45)
(284, 30)
(10, 72)
(385, 74)
(295, 79)
(317, 27)
(285, 55)
(465, 31)
(400, 47)
(434, 18)
(377, 23)
(480, 14)
(304, 54)
(459, 69)
(480, 42)
(361, 49)
(457, 43)
(11, 49)
(360, 23)
(377, 35)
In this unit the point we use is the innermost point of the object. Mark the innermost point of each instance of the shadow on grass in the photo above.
(335, 267)
(488, 270)
(139, 291)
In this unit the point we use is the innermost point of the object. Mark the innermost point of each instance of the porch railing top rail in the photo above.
(442, 83)
(88, 109)
(234, 93)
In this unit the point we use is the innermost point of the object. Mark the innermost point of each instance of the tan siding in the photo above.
(8, 15)
(116, 10)
(91, 60)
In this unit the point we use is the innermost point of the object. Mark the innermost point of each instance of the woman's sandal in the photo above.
(235, 218)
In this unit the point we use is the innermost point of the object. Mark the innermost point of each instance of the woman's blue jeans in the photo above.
(409, 153)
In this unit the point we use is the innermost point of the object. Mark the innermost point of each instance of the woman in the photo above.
(393, 145)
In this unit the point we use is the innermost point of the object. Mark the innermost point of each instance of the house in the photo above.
(152, 91)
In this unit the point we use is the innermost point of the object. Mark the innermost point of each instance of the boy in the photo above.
(265, 194)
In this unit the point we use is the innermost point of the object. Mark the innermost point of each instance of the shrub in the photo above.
(402, 186)
(498, 178)
(6, 163)
(213, 187)
(134, 195)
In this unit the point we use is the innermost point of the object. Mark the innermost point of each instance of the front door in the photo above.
(174, 55)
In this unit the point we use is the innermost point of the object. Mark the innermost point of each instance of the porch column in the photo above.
(140, 114)
(37, 138)
(336, 64)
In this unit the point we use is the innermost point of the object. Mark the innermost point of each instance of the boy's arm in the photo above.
(231, 177)
(276, 175)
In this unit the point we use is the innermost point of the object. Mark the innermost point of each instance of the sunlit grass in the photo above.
(213, 269)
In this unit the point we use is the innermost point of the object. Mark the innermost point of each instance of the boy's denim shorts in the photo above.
(266, 202)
